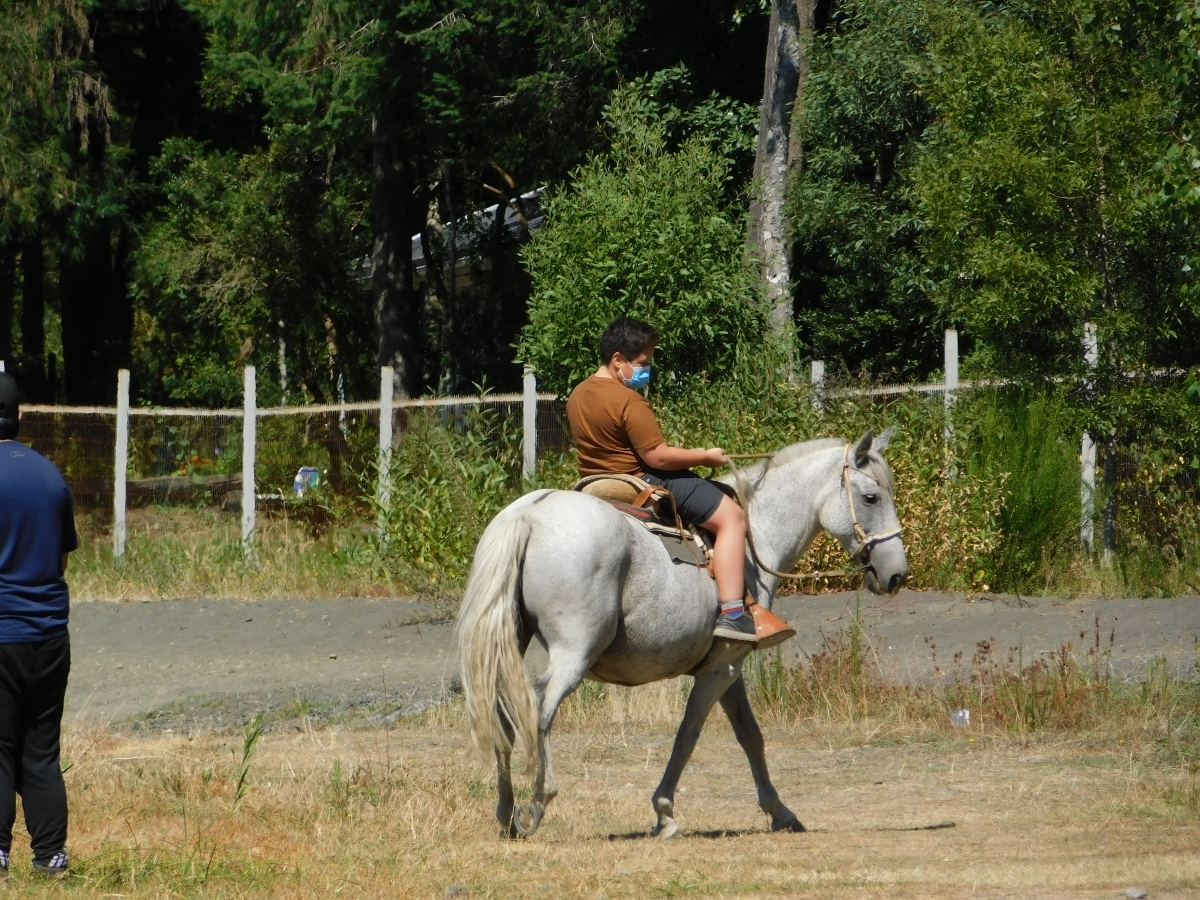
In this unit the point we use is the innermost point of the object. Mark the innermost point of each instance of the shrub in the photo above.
(1026, 442)
(645, 232)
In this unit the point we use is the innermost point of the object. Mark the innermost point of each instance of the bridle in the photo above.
(861, 553)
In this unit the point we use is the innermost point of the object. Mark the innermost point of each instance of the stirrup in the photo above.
(771, 629)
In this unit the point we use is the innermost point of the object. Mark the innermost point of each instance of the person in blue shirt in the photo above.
(37, 531)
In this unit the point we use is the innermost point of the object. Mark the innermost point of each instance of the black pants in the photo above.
(33, 682)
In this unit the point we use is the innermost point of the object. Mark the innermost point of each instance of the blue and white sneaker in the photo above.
(3, 863)
(55, 867)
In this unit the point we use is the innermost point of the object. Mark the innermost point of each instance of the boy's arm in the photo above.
(646, 438)
(671, 459)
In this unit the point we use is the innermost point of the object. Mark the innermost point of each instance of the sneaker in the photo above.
(55, 867)
(739, 629)
(3, 863)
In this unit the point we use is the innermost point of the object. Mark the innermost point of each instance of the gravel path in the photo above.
(212, 663)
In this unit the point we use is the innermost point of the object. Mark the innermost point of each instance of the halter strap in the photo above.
(866, 541)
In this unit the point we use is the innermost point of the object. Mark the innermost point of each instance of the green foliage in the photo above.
(951, 524)
(664, 104)
(1026, 442)
(241, 244)
(642, 231)
(54, 106)
(454, 470)
(1037, 191)
(250, 738)
(862, 297)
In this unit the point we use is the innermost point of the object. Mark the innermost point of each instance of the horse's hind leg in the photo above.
(563, 675)
(504, 805)
(709, 686)
(737, 707)
(504, 784)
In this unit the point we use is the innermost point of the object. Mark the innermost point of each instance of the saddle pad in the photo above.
(681, 548)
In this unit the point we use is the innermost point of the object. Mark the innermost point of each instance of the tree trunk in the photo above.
(8, 289)
(33, 324)
(778, 152)
(452, 345)
(397, 312)
(86, 286)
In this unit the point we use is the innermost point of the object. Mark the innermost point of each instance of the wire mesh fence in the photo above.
(194, 458)
(81, 445)
(185, 459)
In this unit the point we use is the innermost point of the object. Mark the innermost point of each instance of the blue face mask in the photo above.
(639, 379)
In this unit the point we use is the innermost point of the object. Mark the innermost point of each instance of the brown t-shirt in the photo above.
(612, 425)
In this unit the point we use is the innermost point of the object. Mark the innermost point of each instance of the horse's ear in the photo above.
(863, 448)
(880, 443)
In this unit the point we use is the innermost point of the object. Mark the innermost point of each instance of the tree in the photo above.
(56, 112)
(1041, 207)
(649, 232)
(850, 214)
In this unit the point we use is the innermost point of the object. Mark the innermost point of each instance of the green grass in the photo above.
(175, 552)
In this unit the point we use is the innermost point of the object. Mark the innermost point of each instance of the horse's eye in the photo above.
(870, 498)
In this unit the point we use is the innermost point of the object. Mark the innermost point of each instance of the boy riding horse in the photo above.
(616, 433)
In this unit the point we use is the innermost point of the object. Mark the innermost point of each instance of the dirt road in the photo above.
(212, 663)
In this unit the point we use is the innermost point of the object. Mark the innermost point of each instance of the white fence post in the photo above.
(817, 380)
(121, 465)
(1087, 451)
(249, 431)
(1, 365)
(383, 490)
(951, 381)
(529, 423)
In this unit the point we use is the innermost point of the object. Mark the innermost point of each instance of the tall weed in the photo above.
(1068, 690)
(451, 473)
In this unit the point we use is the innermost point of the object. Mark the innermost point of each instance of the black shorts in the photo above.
(696, 498)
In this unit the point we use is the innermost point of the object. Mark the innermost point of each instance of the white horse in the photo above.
(602, 595)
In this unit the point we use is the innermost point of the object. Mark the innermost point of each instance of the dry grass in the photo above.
(408, 812)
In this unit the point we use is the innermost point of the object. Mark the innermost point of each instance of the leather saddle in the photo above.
(653, 508)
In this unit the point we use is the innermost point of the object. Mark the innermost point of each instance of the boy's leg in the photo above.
(728, 525)
(43, 793)
(12, 728)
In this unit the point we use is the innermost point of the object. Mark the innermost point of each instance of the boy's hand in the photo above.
(715, 458)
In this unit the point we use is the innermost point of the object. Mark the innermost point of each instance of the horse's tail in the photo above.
(501, 704)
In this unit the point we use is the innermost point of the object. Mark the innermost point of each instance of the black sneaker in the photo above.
(739, 629)
(55, 867)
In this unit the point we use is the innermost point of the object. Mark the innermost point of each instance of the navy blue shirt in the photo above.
(37, 526)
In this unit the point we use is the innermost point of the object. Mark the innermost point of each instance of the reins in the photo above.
(865, 541)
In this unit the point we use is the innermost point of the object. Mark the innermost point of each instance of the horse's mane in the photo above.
(752, 475)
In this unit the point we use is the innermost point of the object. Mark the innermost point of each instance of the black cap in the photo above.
(10, 397)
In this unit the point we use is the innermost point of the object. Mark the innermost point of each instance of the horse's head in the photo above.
(861, 514)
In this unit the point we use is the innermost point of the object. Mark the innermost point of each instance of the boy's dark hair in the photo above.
(626, 336)
(9, 428)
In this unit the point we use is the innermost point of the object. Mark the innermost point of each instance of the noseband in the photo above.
(861, 553)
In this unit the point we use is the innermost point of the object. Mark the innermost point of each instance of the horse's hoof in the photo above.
(665, 829)
(532, 811)
(793, 825)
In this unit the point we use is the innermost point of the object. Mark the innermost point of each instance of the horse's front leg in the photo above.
(737, 707)
(710, 684)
